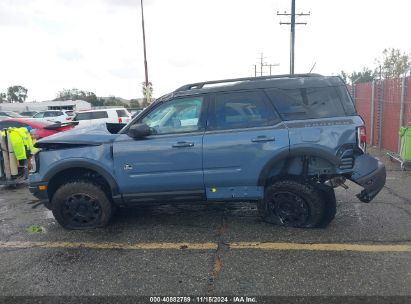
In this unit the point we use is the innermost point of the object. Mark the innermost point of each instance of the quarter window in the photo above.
(307, 103)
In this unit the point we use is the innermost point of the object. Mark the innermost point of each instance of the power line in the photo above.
(263, 64)
(292, 30)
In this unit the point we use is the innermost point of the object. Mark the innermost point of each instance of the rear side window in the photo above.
(83, 116)
(99, 114)
(241, 110)
(310, 103)
(91, 115)
(122, 113)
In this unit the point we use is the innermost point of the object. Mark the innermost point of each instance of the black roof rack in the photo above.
(199, 85)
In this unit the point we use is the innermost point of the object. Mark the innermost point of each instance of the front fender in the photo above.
(90, 164)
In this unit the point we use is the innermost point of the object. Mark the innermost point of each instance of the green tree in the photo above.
(393, 64)
(344, 76)
(365, 75)
(135, 104)
(74, 94)
(3, 97)
(114, 101)
(16, 93)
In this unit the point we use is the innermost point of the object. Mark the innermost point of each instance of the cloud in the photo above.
(125, 72)
(70, 54)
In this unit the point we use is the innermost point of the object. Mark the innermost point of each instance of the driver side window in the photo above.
(176, 116)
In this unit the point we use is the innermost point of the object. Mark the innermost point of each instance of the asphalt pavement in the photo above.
(211, 249)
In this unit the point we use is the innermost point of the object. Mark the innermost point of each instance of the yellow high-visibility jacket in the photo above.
(27, 140)
(17, 143)
(21, 141)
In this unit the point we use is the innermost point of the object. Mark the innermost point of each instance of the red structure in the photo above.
(386, 110)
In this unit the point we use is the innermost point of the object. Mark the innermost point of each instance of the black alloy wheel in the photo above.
(291, 209)
(82, 210)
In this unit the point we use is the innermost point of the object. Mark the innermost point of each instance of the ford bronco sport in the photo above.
(283, 142)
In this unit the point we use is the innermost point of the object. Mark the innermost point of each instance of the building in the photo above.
(76, 105)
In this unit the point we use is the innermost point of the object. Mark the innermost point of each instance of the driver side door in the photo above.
(166, 165)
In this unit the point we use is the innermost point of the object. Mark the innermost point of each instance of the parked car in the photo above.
(93, 117)
(38, 129)
(283, 142)
(9, 114)
(28, 113)
(55, 115)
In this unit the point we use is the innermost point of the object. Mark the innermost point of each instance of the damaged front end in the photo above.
(369, 173)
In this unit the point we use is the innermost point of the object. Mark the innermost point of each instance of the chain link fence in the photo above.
(385, 106)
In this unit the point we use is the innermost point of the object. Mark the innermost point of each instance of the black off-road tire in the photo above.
(48, 204)
(330, 206)
(293, 204)
(81, 205)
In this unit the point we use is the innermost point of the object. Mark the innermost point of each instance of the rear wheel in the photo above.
(293, 204)
(81, 205)
(330, 206)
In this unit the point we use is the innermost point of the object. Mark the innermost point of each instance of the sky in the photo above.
(97, 45)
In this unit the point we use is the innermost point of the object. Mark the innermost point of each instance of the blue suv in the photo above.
(284, 142)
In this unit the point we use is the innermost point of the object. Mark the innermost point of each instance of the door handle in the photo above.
(263, 138)
(182, 144)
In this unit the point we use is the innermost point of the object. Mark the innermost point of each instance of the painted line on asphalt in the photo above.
(212, 246)
(90, 245)
(321, 247)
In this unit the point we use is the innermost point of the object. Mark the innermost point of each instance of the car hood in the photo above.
(93, 135)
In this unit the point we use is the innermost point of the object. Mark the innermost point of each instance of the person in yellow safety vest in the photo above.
(28, 142)
(20, 140)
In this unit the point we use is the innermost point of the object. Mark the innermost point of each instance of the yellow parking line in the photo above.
(90, 245)
(321, 247)
(211, 246)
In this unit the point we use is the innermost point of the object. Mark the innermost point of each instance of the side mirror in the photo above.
(139, 131)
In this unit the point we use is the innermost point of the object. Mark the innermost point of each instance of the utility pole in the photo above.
(263, 64)
(292, 32)
(144, 45)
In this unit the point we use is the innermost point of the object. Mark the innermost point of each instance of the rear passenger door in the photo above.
(243, 133)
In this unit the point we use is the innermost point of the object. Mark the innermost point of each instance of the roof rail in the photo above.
(199, 85)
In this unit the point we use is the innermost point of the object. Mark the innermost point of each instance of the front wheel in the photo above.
(293, 204)
(81, 205)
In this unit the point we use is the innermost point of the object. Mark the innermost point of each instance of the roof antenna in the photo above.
(313, 67)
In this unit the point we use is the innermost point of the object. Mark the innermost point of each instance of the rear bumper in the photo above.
(370, 174)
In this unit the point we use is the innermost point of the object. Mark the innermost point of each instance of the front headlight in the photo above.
(34, 163)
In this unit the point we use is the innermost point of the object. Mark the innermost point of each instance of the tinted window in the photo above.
(99, 114)
(82, 116)
(91, 115)
(241, 110)
(9, 114)
(306, 103)
(52, 114)
(70, 113)
(39, 115)
(11, 124)
(122, 113)
(176, 116)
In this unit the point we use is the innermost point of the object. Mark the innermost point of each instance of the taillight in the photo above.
(362, 138)
(120, 120)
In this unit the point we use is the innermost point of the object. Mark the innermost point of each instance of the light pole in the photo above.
(144, 45)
